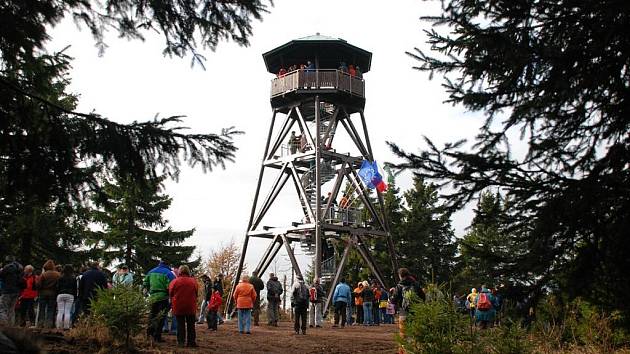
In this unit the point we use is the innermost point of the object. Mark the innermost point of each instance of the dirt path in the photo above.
(265, 339)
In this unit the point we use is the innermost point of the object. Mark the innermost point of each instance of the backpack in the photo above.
(483, 304)
(408, 293)
(312, 294)
(302, 295)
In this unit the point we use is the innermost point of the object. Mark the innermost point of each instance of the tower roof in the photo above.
(327, 52)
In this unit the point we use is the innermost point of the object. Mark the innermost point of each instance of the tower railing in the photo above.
(320, 79)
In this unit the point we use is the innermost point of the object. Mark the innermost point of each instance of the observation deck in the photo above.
(327, 83)
(318, 65)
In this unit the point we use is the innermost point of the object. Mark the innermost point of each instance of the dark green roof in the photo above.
(327, 51)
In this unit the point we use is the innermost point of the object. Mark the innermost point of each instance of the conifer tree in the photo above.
(426, 241)
(488, 253)
(556, 75)
(135, 232)
(51, 156)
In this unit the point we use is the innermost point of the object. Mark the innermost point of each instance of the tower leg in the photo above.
(342, 264)
(241, 260)
(318, 193)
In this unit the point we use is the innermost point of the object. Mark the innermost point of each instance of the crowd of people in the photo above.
(369, 304)
(482, 306)
(56, 296)
(309, 66)
(53, 296)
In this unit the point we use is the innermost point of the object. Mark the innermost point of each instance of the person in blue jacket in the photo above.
(485, 309)
(341, 298)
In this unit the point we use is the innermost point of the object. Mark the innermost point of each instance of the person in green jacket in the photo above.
(156, 282)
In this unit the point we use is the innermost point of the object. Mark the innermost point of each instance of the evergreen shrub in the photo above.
(122, 310)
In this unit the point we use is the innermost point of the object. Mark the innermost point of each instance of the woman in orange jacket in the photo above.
(244, 297)
(358, 302)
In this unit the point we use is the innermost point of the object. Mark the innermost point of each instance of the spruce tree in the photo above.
(426, 241)
(51, 156)
(134, 230)
(488, 253)
(554, 74)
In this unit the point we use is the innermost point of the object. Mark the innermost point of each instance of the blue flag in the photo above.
(369, 174)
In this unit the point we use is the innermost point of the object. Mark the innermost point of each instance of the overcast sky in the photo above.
(133, 81)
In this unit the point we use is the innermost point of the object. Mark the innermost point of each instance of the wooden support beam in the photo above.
(367, 137)
(302, 193)
(318, 193)
(274, 252)
(355, 139)
(335, 190)
(355, 181)
(305, 129)
(365, 254)
(367, 154)
(279, 183)
(342, 264)
(294, 263)
(282, 133)
(241, 260)
(266, 255)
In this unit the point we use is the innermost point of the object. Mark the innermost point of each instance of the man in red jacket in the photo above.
(183, 292)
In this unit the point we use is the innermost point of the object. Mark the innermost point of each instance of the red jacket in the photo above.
(215, 301)
(29, 292)
(183, 292)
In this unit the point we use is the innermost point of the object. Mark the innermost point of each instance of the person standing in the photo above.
(274, 290)
(406, 284)
(367, 296)
(358, 302)
(183, 293)
(376, 312)
(485, 308)
(27, 297)
(122, 276)
(471, 299)
(213, 308)
(47, 286)
(294, 142)
(91, 280)
(66, 290)
(342, 298)
(382, 305)
(299, 302)
(258, 286)
(218, 286)
(244, 297)
(316, 298)
(12, 281)
(207, 291)
(156, 282)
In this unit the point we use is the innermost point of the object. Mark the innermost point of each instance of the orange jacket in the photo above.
(358, 300)
(244, 295)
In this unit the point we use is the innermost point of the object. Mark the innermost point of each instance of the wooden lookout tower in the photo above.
(319, 91)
